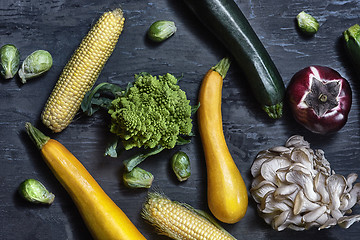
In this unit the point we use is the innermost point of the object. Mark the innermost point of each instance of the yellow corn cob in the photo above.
(179, 221)
(82, 70)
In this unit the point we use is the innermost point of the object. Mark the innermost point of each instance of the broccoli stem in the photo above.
(132, 162)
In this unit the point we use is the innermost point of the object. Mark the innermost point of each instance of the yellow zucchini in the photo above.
(104, 219)
(226, 190)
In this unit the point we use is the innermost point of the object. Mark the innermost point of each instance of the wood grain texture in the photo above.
(59, 25)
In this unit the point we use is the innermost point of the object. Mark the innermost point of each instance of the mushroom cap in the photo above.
(294, 187)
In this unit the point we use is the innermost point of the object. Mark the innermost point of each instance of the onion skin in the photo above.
(333, 119)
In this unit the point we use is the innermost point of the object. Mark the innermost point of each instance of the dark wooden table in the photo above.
(58, 26)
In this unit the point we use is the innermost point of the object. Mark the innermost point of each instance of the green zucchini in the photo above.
(228, 23)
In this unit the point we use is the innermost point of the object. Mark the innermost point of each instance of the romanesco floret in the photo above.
(153, 112)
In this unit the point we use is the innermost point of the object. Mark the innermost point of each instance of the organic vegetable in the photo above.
(103, 218)
(227, 194)
(34, 65)
(307, 23)
(34, 191)
(227, 22)
(320, 99)
(295, 188)
(161, 30)
(180, 221)
(131, 162)
(10, 60)
(352, 43)
(82, 70)
(180, 164)
(154, 111)
(138, 178)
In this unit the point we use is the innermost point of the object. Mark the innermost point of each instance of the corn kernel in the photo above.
(179, 222)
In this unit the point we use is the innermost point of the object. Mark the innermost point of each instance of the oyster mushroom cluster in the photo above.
(295, 188)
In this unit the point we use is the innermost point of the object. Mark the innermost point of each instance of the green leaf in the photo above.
(195, 108)
(161, 30)
(9, 60)
(100, 97)
(138, 178)
(307, 23)
(34, 65)
(132, 162)
(114, 148)
(34, 191)
(182, 141)
(180, 164)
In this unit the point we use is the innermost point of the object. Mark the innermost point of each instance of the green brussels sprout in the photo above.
(10, 60)
(161, 30)
(35, 192)
(35, 64)
(180, 164)
(307, 23)
(138, 178)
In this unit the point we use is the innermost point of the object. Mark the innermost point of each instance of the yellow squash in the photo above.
(226, 190)
(104, 219)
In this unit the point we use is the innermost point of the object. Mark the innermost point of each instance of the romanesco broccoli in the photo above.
(153, 112)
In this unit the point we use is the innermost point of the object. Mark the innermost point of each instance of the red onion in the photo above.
(320, 99)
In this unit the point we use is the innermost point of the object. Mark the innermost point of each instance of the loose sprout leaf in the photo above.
(34, 191)
(161, 30)
(36, 64)
(9, 60)
(138, 178)
(180, 164)
(100, 97)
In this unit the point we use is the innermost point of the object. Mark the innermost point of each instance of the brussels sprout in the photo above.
(181, 165)
(161, 30)
(35, 64)
(10, 60)
(35, 192)
(138, 178)
(307, 23)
